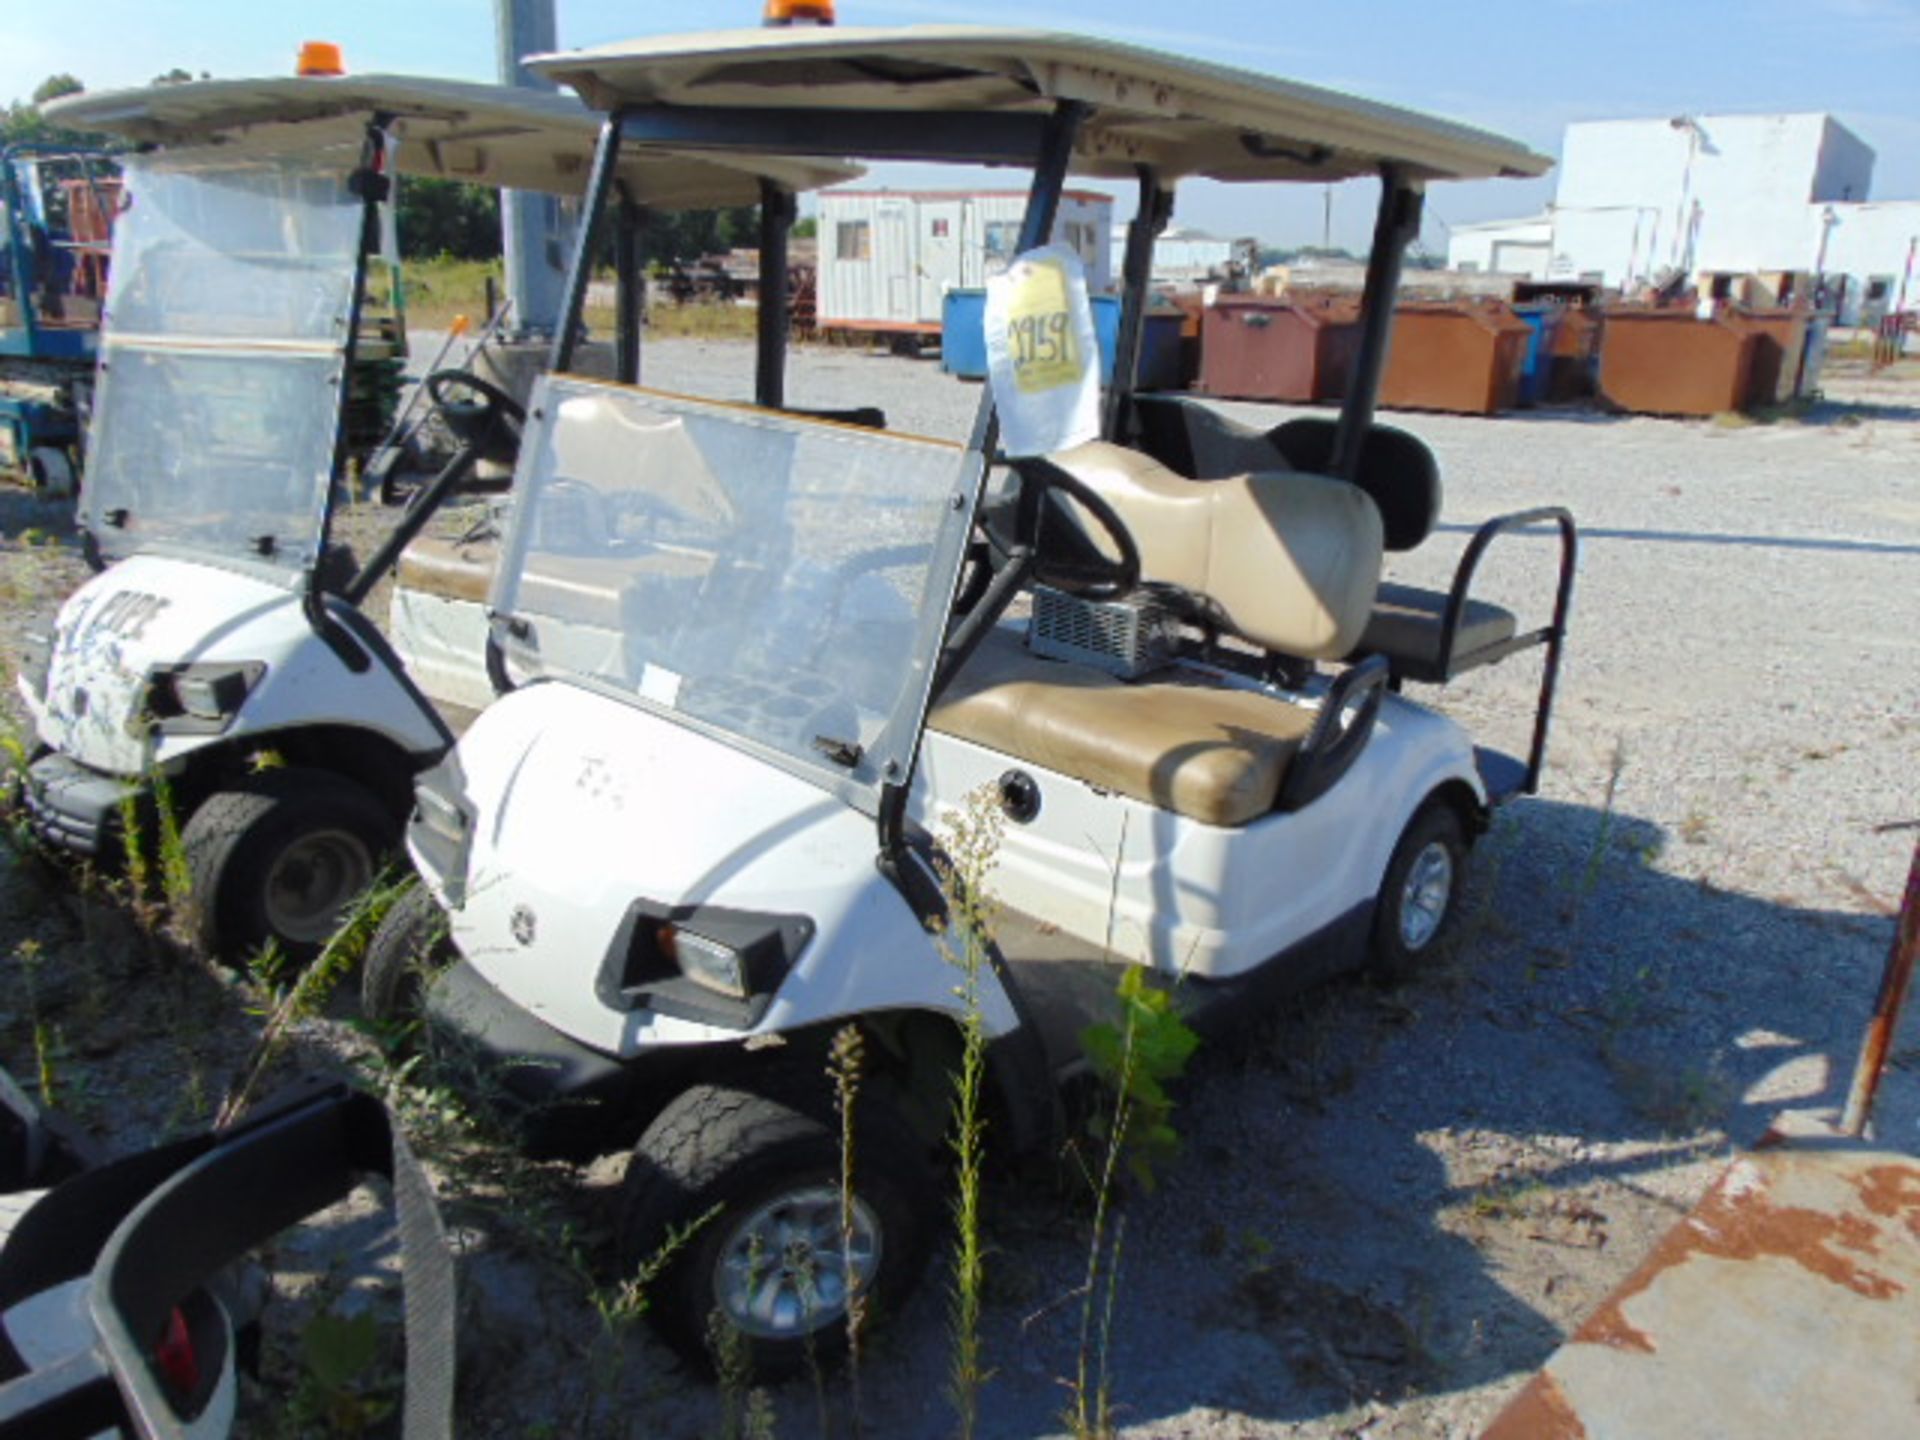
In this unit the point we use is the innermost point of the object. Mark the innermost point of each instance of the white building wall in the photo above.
(1708, 192)
(1512, 247)
(1869, 243)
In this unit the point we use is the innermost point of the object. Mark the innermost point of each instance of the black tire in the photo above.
(252, 850)
(1402, 939)
(409, 945)
(717, 1145)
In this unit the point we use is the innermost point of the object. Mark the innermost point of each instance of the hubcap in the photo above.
(1425, 896)
(783, 1270)
(311, 883)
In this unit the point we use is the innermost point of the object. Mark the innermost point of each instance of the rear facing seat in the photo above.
(1396, 469)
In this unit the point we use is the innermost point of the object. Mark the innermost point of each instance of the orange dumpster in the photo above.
(1463, 358)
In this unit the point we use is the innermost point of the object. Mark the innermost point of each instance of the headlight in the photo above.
(701, 962)
(441, 830)
(198, 699)
(36, 661)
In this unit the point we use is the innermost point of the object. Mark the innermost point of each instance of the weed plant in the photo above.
(846, 1061)
(972, 850)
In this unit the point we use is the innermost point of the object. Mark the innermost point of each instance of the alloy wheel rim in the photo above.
(311, 883)
(1425, 895)
(783, 1270)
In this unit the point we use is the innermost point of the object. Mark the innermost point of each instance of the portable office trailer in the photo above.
(887, 257)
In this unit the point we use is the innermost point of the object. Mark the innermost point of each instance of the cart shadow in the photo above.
(1382, 1192)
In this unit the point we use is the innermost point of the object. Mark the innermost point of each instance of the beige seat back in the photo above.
(1292, 561)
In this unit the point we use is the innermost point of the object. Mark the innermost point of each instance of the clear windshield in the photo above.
(781, 580)
(221, 365)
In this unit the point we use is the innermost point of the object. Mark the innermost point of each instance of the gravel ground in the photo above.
(1391, 1205)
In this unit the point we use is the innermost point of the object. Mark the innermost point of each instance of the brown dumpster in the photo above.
(1667, 362)
(1780, 339)
(1255, 348)
(1463, 358)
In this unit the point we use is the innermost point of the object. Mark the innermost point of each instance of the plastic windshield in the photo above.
(221, 364)
(781, 581)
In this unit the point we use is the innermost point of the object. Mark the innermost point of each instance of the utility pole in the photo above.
(536, 234)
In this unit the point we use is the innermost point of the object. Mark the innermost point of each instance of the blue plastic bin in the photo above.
(1536, 368)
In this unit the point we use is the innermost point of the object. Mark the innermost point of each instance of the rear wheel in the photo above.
(53, 472)
(1419, 898)
(409, 946)
(280, 858)
(770, 1255)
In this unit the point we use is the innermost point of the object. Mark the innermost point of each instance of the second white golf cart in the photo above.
(225, 650)
(699, 835)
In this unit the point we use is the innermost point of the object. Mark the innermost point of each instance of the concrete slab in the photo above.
(1787, 1304)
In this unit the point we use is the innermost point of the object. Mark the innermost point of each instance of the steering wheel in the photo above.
(1079, 567)
(484, 416)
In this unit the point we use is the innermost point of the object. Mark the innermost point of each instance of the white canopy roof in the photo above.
(1187, 117)
(452, 129)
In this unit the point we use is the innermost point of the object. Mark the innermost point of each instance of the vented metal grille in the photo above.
(1126, 638)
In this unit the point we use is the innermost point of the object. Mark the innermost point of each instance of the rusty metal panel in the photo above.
(1785, 1306)
(1464, 358)
(1254, 348)
(1780, 337)
(1667, 362)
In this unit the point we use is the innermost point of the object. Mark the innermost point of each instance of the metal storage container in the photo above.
(1668, 362)
(1255, 348)
(1464, 358)
(1780, 341)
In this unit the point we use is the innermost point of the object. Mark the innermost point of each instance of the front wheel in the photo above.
(281, 857)
(409, 946)
(771, 1257)
(1419, 898)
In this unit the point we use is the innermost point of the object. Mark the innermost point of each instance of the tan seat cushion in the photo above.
(449, 569)
(1405, 626)
(1213, 755)
(600, 590)
(1290, 560)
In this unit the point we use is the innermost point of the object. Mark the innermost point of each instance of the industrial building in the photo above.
(1765, 208)
(1192, 257)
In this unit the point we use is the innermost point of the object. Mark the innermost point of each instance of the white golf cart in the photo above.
(753, 659)
(224, 648)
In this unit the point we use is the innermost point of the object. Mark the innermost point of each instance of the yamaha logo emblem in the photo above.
(523, 924)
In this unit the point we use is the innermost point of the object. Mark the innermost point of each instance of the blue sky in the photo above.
(1524, 69)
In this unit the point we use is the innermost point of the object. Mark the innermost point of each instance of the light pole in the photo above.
(536, 234)
(1683, 227)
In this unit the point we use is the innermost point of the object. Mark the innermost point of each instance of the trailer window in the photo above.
(939, 229)
(1002, 238)
(853, 240)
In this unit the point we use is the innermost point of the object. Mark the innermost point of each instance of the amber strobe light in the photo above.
(320, 57)
(798, 12)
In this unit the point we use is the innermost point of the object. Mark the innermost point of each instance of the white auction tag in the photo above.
(1043, 356)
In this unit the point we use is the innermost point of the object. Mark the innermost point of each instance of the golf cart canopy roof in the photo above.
(1181, 116)
(449, 129)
